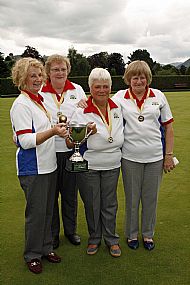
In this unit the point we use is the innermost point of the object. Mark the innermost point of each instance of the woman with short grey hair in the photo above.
(98, 186)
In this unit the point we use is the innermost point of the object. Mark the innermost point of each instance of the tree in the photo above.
(32, 52)
(79, 63)
(140, 54)
(167, 69)
(187, 71)
(182, 69)
(157, 68)
(98, 60)
(9, 59)
(116, 65)
(4, 70)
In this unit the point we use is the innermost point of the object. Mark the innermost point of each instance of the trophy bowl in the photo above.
(78, 135)
(78, 132)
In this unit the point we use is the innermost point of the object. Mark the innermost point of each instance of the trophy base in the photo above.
(76, 166)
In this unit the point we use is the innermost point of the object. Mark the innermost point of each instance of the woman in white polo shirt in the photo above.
(61, 96)
(144, 153)
(98, 186)
(35, 160)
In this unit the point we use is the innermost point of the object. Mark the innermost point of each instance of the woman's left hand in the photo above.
(82, 104)
(91, 126)
(168, 163)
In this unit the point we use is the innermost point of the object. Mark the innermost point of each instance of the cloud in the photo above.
(92, 26)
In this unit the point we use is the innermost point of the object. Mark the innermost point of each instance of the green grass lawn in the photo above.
(168, 264)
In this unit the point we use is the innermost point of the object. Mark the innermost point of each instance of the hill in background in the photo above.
(179, 64)
(186, 63)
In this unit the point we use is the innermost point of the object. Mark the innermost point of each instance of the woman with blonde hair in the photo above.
(35, 160)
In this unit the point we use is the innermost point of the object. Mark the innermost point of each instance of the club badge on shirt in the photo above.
(72, 96)
(115, 115)
(155, 103)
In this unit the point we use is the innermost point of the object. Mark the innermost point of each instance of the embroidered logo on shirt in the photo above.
(73, 97)
(115, 115)
(155, 103)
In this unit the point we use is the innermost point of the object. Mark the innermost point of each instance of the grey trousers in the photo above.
(141, 185)
(98, 190)
(39, 192)
(67, 188)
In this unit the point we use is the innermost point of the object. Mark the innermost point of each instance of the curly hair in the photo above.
(20, 71)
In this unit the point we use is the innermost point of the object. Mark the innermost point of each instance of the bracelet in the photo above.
(169, 153)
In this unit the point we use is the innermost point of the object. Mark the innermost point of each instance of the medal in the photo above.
(61, 118)
(110, 139)
(60, 115)
(141, 118)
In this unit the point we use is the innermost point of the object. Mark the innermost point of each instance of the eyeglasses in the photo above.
(56, 70)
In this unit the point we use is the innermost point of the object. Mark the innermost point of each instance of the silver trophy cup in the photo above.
(78, 134)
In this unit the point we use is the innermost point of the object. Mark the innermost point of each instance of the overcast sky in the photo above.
(162, 27)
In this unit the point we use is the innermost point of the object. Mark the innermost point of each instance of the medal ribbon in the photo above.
(58, 103)
(108, 127)
(40, 105)
(142, 106)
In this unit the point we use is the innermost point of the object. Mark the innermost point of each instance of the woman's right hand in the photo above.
(168, 163)
(61, 130)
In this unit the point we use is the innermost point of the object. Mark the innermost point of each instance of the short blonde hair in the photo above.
(137, 67)
(99, 73)
(58, 59)
(20, 71)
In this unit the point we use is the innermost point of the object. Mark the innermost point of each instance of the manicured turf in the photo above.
(168, 264)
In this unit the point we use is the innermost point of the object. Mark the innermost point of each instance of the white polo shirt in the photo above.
(100, 153)
(73, 93)
(143, 139)
(28, 120)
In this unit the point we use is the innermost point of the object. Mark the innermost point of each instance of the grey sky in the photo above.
(91, 26)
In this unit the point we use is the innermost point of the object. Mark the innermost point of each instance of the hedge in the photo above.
(164, 83)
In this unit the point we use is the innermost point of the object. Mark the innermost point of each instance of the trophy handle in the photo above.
(69, 136)
(86, 137)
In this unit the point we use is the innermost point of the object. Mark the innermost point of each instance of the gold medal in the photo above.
(61, 118)
(141, 118)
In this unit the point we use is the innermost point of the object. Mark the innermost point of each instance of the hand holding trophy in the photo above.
(78, 134)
